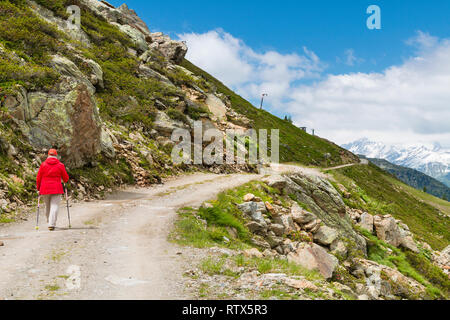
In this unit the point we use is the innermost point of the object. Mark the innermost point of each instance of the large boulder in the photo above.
(66, 117)
(313, 257)
(387, 230)
(366, 221)
(216, 107)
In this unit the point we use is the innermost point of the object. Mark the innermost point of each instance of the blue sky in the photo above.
(328, 27)
(330, 72)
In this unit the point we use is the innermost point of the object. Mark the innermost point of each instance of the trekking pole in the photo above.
(67, 202)
(37, 221)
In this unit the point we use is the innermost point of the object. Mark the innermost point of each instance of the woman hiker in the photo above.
(48, 183)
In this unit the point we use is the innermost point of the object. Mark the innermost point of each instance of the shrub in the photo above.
(218, 217)
(31, 37)
(176, 114)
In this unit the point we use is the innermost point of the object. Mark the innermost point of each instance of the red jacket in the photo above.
(49, 177)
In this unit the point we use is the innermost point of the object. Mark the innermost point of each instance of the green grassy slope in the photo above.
(378, 192)
(415, 178)
(295, 144)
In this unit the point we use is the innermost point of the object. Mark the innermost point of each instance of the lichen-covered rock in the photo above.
(75, 33)
(130, 17)
(106, 143)
(325, 235)
(314, 257)
(339, 249)
(122, 15)
(325, 203)
(135, 35)
(66, 117)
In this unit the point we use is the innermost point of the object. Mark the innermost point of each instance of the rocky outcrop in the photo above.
(325, 206)
(385, 282)
(442, 260)
(128, 22)
(135, 35)
(121, 15)
(388, 230)
(75, 33)
(216, 107)
(165, 125)
(66, 118)
(173, 50)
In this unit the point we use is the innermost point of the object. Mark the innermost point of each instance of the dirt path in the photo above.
(117, 249)
(281, 168)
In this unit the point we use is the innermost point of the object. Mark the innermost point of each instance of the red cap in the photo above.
(52, 152)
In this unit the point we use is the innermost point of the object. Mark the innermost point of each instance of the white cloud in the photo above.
(402, 104)
(247, 71)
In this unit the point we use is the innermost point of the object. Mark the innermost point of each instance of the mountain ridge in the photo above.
(434, 161)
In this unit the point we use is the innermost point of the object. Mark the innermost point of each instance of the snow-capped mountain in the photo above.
(433, 161)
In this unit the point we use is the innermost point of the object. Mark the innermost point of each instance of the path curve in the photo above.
(117, 249)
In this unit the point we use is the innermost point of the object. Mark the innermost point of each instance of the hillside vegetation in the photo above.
(295, 144)
(415, 179)
(136, 87)
(373, 190)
